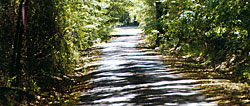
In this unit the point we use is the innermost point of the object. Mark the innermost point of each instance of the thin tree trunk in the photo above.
(17, 45)
(159, 27)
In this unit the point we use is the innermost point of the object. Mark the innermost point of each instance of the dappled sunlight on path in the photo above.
(128, 77)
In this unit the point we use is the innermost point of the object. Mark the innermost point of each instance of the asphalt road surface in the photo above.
(128, 76)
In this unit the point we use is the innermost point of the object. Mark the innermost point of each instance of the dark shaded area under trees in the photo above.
(42, 43)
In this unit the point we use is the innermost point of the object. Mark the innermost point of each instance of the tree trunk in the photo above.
(16, 56)
(159, 13)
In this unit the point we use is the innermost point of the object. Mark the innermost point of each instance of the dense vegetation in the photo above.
(214, 32)
(41, 43)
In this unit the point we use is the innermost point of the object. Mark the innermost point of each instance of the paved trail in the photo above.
(129, 77)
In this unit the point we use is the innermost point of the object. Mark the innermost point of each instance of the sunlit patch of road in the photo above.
(130, 77)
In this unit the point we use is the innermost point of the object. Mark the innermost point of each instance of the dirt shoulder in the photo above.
(218, 86)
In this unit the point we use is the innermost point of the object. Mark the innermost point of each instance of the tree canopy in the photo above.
(214, 31)
(42, 42)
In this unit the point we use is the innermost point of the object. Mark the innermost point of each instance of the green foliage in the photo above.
(213, 30)
(49, 45)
